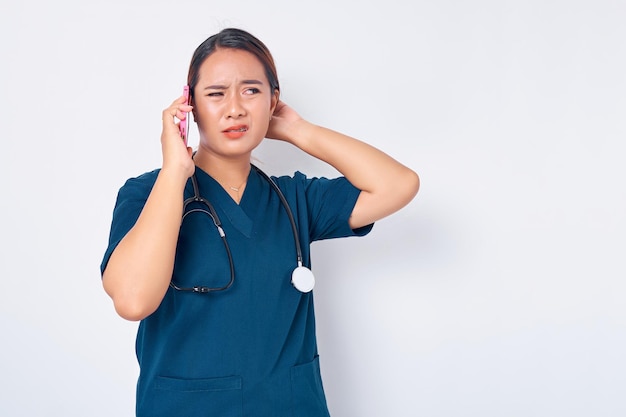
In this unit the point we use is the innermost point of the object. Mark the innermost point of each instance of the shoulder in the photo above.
(301, 180)
(319, 193)
(315, 186)
(147, 178)
(290, 181)
(138, 187)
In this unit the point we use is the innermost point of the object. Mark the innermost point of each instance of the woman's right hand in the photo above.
(176, 156)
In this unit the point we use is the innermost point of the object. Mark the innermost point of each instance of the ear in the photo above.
(193, 111)
(274, 101)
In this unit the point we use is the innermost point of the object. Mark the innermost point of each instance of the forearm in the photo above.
(386, 185)
(140, 268)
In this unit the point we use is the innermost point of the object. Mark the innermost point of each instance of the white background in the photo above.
(499, 291)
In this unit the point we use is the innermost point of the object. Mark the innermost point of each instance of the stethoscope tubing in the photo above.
(196, 198)
(285, 204)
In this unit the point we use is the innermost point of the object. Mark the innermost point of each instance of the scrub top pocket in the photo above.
(194, 398)
(307, 392)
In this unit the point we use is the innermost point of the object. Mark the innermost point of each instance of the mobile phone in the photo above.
(184, 125)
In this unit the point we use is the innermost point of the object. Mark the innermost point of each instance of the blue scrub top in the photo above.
(250, 350)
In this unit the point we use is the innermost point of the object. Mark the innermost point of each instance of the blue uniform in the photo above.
(250, 350)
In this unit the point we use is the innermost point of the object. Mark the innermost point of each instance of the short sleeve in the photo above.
(131, 198)
(330, 203)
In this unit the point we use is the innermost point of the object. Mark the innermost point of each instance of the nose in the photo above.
(234, 109)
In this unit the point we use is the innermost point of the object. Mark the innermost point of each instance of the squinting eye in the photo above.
(217, 94)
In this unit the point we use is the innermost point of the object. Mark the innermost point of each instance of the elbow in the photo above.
(410, 184)
(415, 183)
(131, 311)
(128, 304)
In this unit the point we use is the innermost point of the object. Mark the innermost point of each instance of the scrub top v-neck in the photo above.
(249, 350)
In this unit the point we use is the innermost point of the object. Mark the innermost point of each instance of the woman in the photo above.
(243, 343)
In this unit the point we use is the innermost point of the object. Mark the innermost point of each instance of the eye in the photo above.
(215, 94)
(251, 91)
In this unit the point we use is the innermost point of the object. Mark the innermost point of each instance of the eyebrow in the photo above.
(224, 87)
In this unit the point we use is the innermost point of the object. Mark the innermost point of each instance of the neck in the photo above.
(230, 173)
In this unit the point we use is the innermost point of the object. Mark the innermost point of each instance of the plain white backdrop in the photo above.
(499, 291)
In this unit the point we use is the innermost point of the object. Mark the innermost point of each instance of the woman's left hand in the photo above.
(283, 122)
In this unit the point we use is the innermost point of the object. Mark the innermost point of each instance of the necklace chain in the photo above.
(236, 189)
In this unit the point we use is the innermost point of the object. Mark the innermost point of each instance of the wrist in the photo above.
(300, 132)
(174, 176)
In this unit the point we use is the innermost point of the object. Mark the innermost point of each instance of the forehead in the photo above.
(231, 64)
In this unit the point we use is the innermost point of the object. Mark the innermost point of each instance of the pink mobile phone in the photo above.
(183, 125)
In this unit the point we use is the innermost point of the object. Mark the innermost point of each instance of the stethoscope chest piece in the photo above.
(302, 278)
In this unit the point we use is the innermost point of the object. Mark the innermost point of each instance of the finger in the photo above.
(177, 111)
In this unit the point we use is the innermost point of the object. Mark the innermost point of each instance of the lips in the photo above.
(235, 132)
(238, 128)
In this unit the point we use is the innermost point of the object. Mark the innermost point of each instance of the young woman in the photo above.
(226, 329)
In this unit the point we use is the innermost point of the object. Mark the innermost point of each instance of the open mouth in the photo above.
(237, 129)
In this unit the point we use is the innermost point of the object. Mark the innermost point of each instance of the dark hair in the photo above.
(235, 39)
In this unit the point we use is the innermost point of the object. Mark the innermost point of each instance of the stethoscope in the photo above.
(301, 278)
